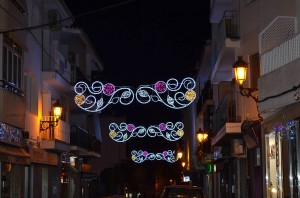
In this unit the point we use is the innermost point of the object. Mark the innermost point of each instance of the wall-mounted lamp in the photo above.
(51, 121)
(240, 71)
(183, 164)
(201, 135)
(179, 154)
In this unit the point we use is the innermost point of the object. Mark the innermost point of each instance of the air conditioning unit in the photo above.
(237, 147)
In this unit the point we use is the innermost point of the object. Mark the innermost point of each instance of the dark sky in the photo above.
(144, 41)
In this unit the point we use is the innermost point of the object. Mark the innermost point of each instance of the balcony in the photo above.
(206, 98)
(55, 138)
(226, 37)
(279, 82)
(83, 143)
(12, 105)
(226, 120)
(58, 74)
(77, 75)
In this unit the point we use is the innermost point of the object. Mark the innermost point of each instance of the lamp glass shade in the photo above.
(201, 136)
(183, 164)
(57, 110)
(179, 155)
(240, 70)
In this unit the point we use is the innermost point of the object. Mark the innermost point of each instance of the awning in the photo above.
(14, 155)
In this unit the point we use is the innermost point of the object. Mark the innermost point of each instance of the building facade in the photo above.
(255, 141)
(42, 57)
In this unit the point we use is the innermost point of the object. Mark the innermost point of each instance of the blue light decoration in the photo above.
(91, 99)
(172, 90)
(123, 132)
(141, 156)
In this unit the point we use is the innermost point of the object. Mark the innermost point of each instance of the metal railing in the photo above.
(61, 132)
(227, 111)
(82, 138)
(206, 94)
(228, 27)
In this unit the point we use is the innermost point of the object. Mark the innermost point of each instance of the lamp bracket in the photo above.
(44, 125)
(249, 92)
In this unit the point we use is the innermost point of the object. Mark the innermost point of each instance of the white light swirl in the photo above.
(123, 132)
(172, 90)
(141, 156)
(92, 99)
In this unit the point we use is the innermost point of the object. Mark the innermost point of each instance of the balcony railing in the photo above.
(61, 132)
(81, 138)
(228, 27)
(60, 65)
(206, 94)
(281, 55)
(77, 75)
(227, 111)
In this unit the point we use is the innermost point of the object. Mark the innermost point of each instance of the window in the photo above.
(12, 62)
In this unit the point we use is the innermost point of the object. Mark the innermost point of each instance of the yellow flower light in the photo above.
(180, 132)
(79, 99)
(112, 134)
(190, 95)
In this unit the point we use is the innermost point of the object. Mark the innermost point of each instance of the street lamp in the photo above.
(240, 71)
(201, 136)
(179, 154)
(52, 121)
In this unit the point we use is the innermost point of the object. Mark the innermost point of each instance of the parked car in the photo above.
(183, 191)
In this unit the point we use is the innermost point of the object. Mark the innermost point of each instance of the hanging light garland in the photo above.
(99, 96)
(91, 103)
(123, 132)
(175, 97)
(141, 156)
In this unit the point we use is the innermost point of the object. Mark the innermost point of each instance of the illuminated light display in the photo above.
(99, 96)
(172, 90)
(171, 93)
(123, 132)
(141, 156)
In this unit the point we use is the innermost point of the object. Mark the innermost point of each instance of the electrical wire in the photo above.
(294, 88)
(68, 18)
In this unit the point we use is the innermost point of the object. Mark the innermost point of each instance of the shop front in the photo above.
(14, 165)
(282, 160)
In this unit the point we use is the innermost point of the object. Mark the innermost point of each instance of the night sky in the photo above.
(142, 42)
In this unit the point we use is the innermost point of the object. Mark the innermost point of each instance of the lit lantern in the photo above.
(240, 70)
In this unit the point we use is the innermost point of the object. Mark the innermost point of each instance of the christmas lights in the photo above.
(123, 132)
(171, 93)
(175, 97)
(141, 156)
(92, 98)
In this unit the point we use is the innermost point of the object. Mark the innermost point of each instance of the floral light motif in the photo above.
(93, 98)
(123, 132)
(141, 156)
(171, 93)
(172, 90)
